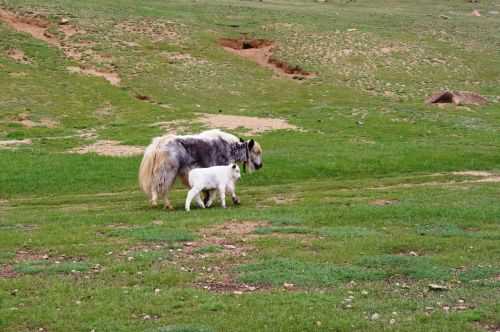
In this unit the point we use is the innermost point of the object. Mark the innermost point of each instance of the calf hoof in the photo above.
(168, 207)
(236, 201)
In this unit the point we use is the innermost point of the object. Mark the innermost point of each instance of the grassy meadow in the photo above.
(366, 217)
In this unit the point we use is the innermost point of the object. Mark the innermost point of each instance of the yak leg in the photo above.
(169, 181)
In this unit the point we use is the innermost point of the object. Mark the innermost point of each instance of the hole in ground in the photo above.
(261, 52)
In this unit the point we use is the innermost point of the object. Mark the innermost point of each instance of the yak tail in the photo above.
(151, 163)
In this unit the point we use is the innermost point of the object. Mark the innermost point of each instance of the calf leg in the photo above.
(236, 199)
(199, 201)
(222, 195)
(210, 198)
(191, 194)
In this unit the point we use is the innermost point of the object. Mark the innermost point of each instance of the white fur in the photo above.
(220, 178)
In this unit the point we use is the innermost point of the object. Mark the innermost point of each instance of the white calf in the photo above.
(220, 178)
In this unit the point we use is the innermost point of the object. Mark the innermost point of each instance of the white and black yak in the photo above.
(172, 156)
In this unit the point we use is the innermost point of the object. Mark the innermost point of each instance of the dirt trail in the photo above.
(261, 52)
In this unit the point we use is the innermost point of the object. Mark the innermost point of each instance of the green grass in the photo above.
(157, 234)
(210, 249)
(49, 267)
(365, 135)
(278, 272)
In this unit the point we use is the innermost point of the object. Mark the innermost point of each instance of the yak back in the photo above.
(196, 152)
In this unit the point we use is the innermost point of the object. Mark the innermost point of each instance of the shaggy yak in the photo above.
(171, 156)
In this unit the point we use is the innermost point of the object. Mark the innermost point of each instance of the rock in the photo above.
(436, 287)
(375, 316)
(63, 21)
(413, 253)
(476, 13)
(444, 17)
(392, 321)
(287, 285)
(456, 97)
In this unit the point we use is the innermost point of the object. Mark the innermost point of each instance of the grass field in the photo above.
(366, 217)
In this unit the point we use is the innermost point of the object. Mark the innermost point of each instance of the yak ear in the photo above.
(242, 140)
(251, 143)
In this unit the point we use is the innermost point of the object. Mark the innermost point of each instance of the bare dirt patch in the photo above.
(457, 98)
(12, 144)
(111, 77)
(474, 173)
(38, 27)
(109, 148)
(383, 202)
(24, 119)
(34, 25)
(175, 127)
(254, 125)
(18, 56)
(229, 242)
(477, 177)
(7, 271)
(490, 327)
(283, 199)
(261, 52)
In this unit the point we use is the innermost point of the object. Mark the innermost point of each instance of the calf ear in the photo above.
(234, 166)
(242, 140)
(251, 143)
